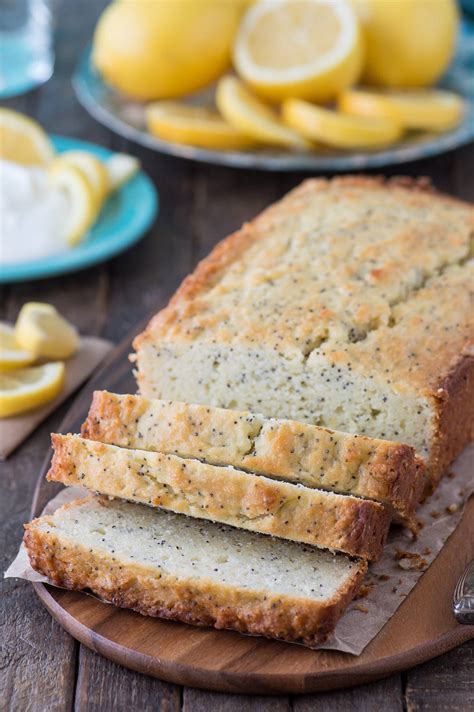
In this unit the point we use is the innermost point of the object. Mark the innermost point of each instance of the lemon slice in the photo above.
(91, 167)
(119, 169)
(82, 201)
(11, 354)
(252, 117)
(22, 140)
(194, 125)
(430, 109)
(308, 50)
(43, 332)
(27, 388)
(339, 130)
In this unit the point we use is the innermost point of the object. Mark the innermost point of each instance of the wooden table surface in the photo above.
(42, 667)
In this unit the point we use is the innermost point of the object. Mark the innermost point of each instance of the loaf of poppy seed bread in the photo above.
(286, 449)
(355, 526)
(347, 305)
(171, 566)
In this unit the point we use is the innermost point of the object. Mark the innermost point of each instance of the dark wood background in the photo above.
(42, 667)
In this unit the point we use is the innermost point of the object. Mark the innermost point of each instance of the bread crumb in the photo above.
(383, 577)
(452, 508)
(409, 561)
(434, 514)
(361, 608)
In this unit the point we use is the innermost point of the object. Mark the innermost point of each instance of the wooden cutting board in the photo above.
(422, 628)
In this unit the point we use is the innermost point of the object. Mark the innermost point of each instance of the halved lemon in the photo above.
(252, 117)
(43, 332)
(310, 49)
(11, 354)
(339, 130)
(27, 388)
(428, 109)
(22, 139)
(81, 198)
(194, 125)
(92, 168)
(120, 167)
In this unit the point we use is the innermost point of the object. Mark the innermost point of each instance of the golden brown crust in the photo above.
(297, 452)
(354, 526)
(455, 415)
(198, 601)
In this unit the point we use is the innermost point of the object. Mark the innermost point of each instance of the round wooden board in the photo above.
(422, 628)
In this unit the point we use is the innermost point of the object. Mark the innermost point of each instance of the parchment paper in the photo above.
(388, 582)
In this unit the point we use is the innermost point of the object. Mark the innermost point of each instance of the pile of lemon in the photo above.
(32, 355)
(296, 65)
(84, 178)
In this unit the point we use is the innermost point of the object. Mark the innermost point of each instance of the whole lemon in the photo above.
(409, 43)
(158, 49)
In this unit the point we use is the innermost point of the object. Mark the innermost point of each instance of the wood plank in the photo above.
(103, 685)
(383, 695)
(145, 277)
(37, 656)
(444, 684)
(202, 701)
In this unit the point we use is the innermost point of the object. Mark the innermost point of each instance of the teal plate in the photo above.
(124, 219)
(128, 119)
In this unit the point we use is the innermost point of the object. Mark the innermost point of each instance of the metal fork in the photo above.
(463, 597)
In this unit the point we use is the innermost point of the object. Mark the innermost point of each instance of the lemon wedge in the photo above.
(41, 331)
(308, 50)
(430, 109)
(22, 140)
(194, 125)
(252, 117)
(11, 354)
(27, 388)
(119, 168)
(339, 130)
(91, 167)
(82, 201)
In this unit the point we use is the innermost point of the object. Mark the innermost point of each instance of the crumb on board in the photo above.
(409, 561)
(451, 508)
(361, 608)
(426, 551)
(364, 590)
(383, 577)
(434, 514)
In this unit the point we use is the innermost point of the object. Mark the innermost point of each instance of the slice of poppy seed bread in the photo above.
(348, 304)
(286, 449)
(171, 566)
(355, 526)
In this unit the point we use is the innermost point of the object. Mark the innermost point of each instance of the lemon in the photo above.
(93, 170)
(194, 125)
(408, 42)
(428, 109)
(22, 140)
(308, 49)
(339, 130)
(252, 117)
(11, 354)
(120, 168)
(41, 331)
(81, 198)
(27, 388)
(159, 50)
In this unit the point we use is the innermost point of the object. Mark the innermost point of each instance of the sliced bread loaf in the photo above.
(347, 305)
(223, 494)
(171, 566)
(297, 452)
